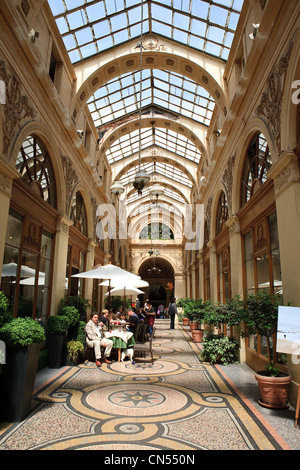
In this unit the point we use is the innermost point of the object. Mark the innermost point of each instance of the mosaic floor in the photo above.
(177, 403)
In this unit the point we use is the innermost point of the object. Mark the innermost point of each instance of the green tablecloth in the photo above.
(119, 343)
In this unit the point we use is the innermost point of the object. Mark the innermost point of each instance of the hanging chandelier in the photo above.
(141, 178)
(154, 270)
(156, 191)
(117, 188)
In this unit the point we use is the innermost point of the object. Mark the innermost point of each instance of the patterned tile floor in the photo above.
(177, 404)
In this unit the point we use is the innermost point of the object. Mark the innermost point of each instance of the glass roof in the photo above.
(171, 92)
(90, 27)
(174, 174)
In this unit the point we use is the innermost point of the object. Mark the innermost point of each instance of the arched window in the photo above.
(156, 231)
(78, 213)
(34, 166)
(257, 163)
(222, 213)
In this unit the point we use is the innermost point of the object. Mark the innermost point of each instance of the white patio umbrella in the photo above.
(108, 271)
(121, 282)
(125, 291)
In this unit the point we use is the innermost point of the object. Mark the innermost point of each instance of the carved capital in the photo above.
(285, 171)
(234, 225)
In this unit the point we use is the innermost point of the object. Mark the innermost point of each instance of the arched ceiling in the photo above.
(170, 154)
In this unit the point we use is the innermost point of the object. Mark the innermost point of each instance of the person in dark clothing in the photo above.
(132, 321)
(172, 311)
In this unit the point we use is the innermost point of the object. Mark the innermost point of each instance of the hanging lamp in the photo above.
(141, 178)
(117, 188)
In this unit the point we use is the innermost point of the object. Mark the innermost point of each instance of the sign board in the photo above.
(288, 330)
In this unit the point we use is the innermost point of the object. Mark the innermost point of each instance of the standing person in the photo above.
(150, 311)
(160, 311)
(95, 339)
(172, 311)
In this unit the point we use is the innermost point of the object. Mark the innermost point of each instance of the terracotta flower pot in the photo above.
(197, 336)
(193, 325)
(185, 321)
(274, 390)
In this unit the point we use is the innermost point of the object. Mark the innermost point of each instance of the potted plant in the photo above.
(81, 304)
(75, 350)
(219, 349)
(23, 338)
(261, 315)
(192, 315)
(57, 327)
(184, 304)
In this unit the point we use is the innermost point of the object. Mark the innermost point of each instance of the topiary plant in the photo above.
(22, 332)
(71, 313)
(57, 325)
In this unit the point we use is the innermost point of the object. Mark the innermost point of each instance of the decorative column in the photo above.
(201, 275)
(179, 285)
(7, 174)
(90, 257)
(286, 175)
(213, 270)
(60, 261)
(236, 267)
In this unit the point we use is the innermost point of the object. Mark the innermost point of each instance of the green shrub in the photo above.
(75, 350)
(219, 349)
(22, 332)
(70, 312)
(5, 316)
(57, 325)
(80, 303)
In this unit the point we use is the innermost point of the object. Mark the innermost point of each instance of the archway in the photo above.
(160, 275)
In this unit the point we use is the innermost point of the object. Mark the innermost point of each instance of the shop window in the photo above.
(206, 280)
(262, 268)
(27, 267)
(224, 290)
(34, 165)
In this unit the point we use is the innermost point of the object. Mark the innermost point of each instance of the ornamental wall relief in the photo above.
(16, 108)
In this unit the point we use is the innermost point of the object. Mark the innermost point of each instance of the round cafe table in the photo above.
(121, 340)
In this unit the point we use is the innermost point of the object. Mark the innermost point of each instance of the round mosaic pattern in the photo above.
(140, 398)
(137, 400)
(159, 367)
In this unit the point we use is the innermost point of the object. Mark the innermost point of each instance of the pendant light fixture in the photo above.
(156, 191)
(141, 178)
(117, 188)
